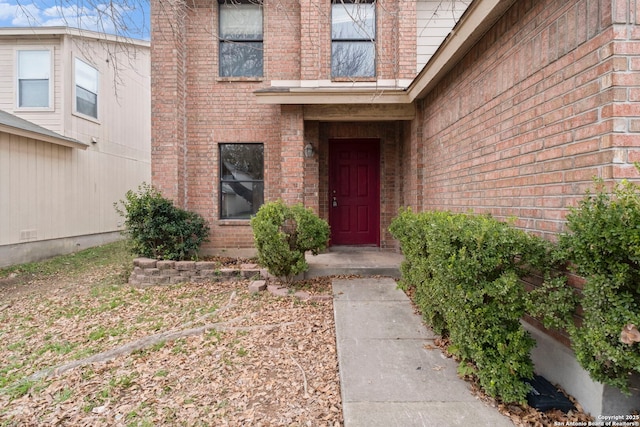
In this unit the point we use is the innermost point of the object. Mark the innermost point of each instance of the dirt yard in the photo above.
(80, 347)
(83, 349)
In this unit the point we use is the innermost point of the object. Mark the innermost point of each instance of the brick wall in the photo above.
(194, 110)
(395, 39)
(167, 98)
(544, 102)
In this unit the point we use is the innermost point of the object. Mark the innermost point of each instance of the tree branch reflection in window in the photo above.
(353, 34)
(241, 39)
(241, 180)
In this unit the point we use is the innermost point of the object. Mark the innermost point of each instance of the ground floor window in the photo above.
(241, 180)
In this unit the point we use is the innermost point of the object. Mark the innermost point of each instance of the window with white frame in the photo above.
(241, 38)
(241, 180)
(34, 78)
(353, 36)
(86, 78)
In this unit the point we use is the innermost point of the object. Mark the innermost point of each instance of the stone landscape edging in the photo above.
(149, 272)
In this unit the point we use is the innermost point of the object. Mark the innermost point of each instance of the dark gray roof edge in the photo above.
(12, 121)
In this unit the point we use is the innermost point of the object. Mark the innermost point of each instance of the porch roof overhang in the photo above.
(14, 125)
(358, 95)
(474, 23)
(343, 103)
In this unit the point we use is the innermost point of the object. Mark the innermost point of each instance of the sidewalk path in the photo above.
(387, 375)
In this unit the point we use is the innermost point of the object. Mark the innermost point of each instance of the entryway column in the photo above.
(312, 166)
(292, 151)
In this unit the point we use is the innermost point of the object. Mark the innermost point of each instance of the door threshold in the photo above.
(353, 248)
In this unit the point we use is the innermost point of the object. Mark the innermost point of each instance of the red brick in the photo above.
(543, 91)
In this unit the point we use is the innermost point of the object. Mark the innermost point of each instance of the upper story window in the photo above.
(241, 180)
(34, 78)
(86, 79)
(353, 36)
(241, 37)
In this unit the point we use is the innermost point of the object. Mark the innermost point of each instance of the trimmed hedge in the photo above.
(283, 234)
(158, 229)
(466, 272)
(603, 245)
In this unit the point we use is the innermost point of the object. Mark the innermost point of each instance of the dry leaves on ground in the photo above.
(263, 360)
(213, 354)
(523, 415)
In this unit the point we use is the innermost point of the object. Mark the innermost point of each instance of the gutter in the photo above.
(15, 125)
(69, 31)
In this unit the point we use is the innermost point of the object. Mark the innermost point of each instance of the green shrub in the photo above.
(466, 272)
(158, 229)
(603, 244)
(283, 234)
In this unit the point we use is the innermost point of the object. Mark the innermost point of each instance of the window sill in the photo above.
(34, 109)
(354, 79)
(234, 222)
(85, 117)
(241, 79)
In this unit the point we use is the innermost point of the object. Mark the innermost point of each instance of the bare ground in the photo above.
(208, 354)
(257, 359)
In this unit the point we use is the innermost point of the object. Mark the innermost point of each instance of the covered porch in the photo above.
(354, 260)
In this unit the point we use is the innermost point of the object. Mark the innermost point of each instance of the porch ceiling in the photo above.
(359, 113)
(331, 95)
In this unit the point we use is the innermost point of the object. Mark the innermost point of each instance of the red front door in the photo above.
(354, 191)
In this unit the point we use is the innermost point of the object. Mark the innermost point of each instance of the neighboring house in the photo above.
(74, 137)
(341, 106)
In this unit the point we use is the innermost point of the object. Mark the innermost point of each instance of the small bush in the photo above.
(158, 229)
(283, 234)
(466, 272)
(603, 244)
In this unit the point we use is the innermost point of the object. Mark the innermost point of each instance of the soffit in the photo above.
(359, 112)
(331, 95)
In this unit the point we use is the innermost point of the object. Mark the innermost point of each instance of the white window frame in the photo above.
(240, 41)
(256, 183)
(50, 77)
(75, 87)
(360, 35)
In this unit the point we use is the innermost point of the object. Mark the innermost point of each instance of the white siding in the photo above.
(48, 191)
(48, 118)
(435, 19)
(123, 127)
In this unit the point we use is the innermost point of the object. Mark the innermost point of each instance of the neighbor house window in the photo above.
(241, 180)
(34, 78)
(353, 35)
(86, 89)
(241, 53)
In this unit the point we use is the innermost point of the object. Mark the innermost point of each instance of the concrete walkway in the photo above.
(354, 260)
(391, 374)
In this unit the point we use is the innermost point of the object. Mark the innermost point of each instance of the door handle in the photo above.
(334, 203)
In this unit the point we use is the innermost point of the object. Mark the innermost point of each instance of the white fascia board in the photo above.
(329, 84)
(474, 23)
(69, 31)
(67, 142)
(298, 95)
